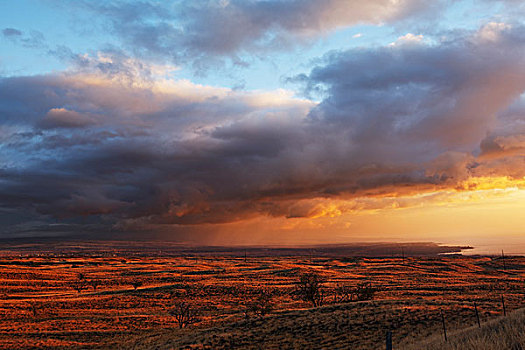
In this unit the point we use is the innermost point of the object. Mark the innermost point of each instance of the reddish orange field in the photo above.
(75, 299)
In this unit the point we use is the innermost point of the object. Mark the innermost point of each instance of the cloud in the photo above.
(85, 144)
(11, 32)
(408, 39)
(63, 118)
(203, 31)
(118, 142)
(492, 31)
(34, 39)
(504, 144)
(424, 94)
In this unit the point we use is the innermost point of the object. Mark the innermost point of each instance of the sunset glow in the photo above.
(253, 122)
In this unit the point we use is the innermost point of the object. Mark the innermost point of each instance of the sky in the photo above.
(264, 121)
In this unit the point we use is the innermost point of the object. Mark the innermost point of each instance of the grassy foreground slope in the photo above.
(345, 326)
(499, 334)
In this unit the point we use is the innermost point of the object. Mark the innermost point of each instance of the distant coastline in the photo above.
(90, 247)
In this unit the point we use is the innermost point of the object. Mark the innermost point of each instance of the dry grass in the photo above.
(40, 309)
(504, 333)
(360, 325)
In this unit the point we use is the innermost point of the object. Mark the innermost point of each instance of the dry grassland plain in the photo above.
(87, 295)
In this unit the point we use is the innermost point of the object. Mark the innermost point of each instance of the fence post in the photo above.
(444, 327)
(503, 258)
(477, 314)
(389, 340)
(503, 304)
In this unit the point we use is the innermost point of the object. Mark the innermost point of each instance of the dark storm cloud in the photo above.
(437, 96)
(133, 150)
(85, 145)
(502, 151)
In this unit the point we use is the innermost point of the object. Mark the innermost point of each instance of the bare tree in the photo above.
(310, 288)
(184, 314)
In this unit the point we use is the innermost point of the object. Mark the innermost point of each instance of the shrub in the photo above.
(80, 283)
(343, 294)
(261, 305)
(94, 284)
(365, 291)
(136, 283)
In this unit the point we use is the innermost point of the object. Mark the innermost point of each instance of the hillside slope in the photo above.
(355, 325)
(504, 333)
